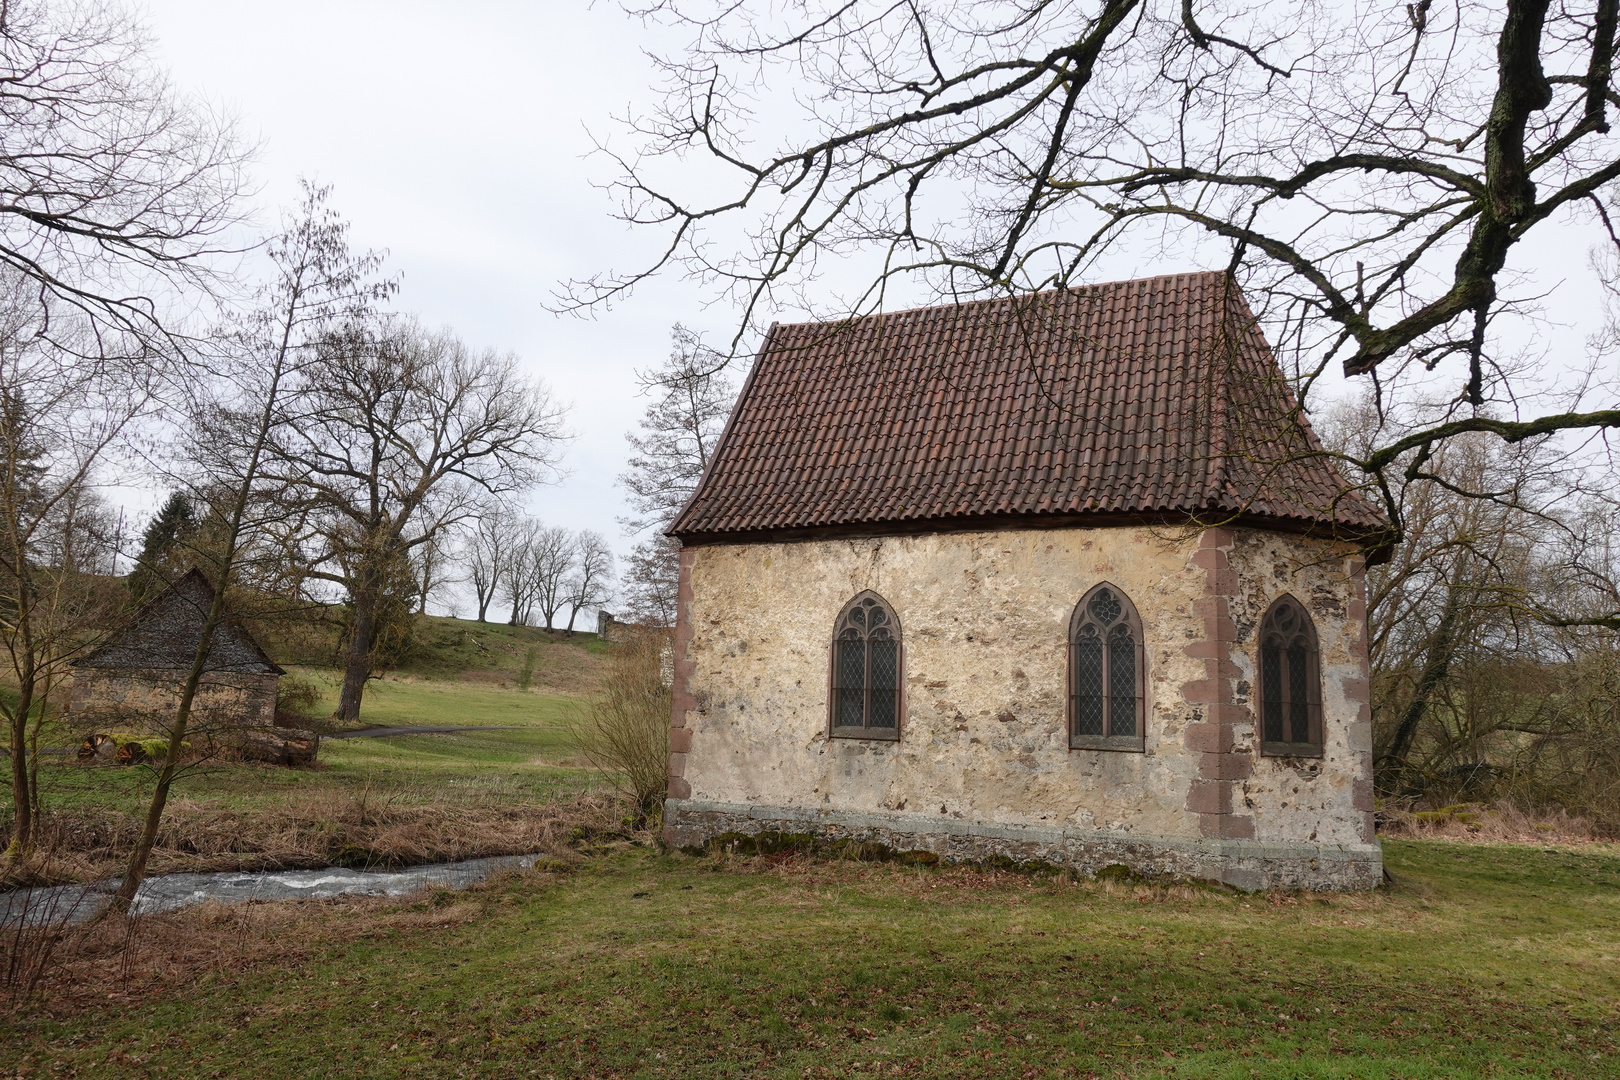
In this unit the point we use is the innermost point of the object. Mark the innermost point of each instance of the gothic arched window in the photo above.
(866, 670)
(1290, 685)
(1106, 673)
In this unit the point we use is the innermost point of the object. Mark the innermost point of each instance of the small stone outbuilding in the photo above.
(134, 680)
(1061, 578)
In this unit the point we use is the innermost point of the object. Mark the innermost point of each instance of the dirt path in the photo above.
(380, 732)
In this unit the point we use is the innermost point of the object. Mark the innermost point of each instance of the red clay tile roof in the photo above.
(1149, 398)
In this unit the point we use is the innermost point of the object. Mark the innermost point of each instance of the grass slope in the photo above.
(462, 648)
(411, 700)
(1484, 961)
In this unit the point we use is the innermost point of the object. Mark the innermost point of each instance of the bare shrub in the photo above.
(625, 731)
(296, 701)
(369, 828)
(1503, 822)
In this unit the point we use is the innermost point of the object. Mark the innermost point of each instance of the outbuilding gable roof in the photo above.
(1139, 399)
(163, 636)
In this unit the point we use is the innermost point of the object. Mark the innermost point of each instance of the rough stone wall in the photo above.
(110, 700)
(1327, 799)
(984, 742)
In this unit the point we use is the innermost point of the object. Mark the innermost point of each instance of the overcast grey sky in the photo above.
(456, 137)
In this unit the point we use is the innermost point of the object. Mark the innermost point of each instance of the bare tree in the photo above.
(115, 190)
(431, 569)
(62, 418)
(652, 581)
(550, 560)
(591, 584)
(1485, 617)
(691, 398)
(517, 577)
(114, 185)
(399, 436)
(236, 420)
(1367, 173)
(491, 545)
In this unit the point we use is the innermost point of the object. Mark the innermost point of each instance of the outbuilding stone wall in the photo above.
(983, 766)
(111, 700)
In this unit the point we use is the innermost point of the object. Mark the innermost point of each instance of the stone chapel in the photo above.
(1061, 577)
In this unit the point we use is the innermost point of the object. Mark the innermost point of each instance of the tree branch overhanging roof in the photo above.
(1155, 399)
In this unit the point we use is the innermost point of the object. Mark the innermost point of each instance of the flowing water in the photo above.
(78, 903)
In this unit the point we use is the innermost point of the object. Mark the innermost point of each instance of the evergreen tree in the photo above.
(161, 546)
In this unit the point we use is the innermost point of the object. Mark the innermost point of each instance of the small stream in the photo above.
(68, 904)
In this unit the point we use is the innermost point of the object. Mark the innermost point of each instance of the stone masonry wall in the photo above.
(105, 700)
(983, 760)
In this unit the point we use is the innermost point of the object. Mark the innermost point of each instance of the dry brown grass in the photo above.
(306, 832)
(1502, 822)
(121, 959)
(568, 670)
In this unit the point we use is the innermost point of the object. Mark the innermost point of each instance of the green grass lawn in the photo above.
(448, 647)
(532, 763)
(411, 701)
(1483, 961)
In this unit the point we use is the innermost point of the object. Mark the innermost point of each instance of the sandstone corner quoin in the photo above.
(1113, 596)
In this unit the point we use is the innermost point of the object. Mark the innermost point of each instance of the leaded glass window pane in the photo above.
(1104, 607)
(1105, 657)
(1288, 696)
(1271, 689)
(850, 682)
(866, 670)
(1299, 707)
(884, 699)
(1121, 682)
(1088, 683)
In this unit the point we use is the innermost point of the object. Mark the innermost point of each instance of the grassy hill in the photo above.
(450, 648)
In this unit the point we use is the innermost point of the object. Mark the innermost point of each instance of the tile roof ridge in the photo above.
(983, 302)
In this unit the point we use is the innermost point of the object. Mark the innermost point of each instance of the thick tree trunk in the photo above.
(573, 613)
(357, 665)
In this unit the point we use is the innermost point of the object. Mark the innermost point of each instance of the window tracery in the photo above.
(1289, 691)
(866, 660)
(1106, 671)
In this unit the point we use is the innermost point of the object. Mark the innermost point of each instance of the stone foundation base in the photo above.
(1246, 864)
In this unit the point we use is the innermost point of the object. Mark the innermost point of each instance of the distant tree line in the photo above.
(1495, 672)
(536, 570)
